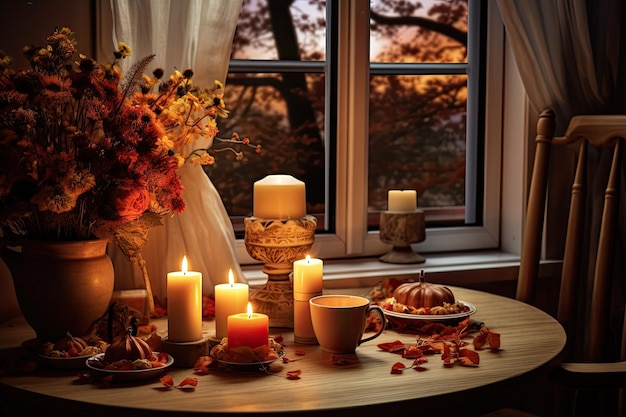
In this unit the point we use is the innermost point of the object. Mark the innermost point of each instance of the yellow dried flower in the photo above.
(124, 49)
(54, 199)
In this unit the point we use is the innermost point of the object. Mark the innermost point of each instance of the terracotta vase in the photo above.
(61, 286)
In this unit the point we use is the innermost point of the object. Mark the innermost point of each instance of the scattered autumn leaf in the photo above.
(493, 339)
(470, 355)
(188, 383)
(204, 364)
(167, 381)
(394, 347)
(479, 340)
(294, 374)
(397, 368)
(417, 364)
(412, 352)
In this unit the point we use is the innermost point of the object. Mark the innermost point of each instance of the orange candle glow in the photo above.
(248, 329)
(231, 298)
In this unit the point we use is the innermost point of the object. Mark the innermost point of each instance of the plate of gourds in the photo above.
(130, 358)
(70, 352)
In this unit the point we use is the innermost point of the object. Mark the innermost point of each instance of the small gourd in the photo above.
(423, 294)
(69, 343)
(127, 347)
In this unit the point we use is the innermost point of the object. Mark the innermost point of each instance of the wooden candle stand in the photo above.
(186, 354)
(278, 243)
(401, 229)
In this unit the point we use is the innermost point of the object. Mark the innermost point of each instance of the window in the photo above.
(353, 124)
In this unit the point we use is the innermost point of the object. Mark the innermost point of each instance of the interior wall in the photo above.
(30, 22)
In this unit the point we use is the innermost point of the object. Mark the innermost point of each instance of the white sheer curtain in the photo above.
(552, 47)
(568, 53)
(183, 34)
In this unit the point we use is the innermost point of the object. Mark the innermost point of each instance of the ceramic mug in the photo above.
(339, 321)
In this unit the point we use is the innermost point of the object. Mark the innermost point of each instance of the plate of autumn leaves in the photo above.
(245, 357)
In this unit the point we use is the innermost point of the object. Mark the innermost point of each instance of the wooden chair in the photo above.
(589, 365)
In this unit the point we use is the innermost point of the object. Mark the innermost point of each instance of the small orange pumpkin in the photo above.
(423, 294)
(70, 342)
(127, 347)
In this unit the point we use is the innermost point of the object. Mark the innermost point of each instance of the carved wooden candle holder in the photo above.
(278, 243)
(186, 354)
(401, 229)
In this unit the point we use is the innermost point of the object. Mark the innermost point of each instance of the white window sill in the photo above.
(460, 269)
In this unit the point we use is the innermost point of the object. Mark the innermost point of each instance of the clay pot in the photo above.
(61, 286)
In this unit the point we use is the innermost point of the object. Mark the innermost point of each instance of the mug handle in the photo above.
(377, 309)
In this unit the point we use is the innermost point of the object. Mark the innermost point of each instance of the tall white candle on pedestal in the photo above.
(402, 200)
(279, 197)
(231, 298)
(184, 305)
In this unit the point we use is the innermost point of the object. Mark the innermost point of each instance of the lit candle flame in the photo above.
(184, 266)
(249, 310)
(308, 259)
(231, 278)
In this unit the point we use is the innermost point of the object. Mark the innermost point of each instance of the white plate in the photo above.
(73, 362)
(434, 317)
(131, 374)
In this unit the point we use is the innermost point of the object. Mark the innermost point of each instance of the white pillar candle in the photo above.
(308, 275)
(184, 305)
(402, 200)
(231, 298)
(279, 197)
(307, 283)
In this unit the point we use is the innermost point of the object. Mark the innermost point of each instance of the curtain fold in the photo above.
(183, 34)
(552, 49)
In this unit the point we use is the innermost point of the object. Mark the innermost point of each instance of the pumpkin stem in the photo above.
(421, 276)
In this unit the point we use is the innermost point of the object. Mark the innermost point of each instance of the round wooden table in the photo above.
(363, 385)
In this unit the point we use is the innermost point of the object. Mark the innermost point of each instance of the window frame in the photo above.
(352, 237)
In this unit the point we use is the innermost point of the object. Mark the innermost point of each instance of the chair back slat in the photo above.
(570, 283)
(601, 295)
(533, 228)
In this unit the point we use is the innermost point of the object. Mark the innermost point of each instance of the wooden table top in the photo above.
(531, 342)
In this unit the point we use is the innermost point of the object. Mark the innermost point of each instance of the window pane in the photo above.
(432, 31)
(276, 93)
(299, 25)
(287, 122)
(418, 123)
(417, 139)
